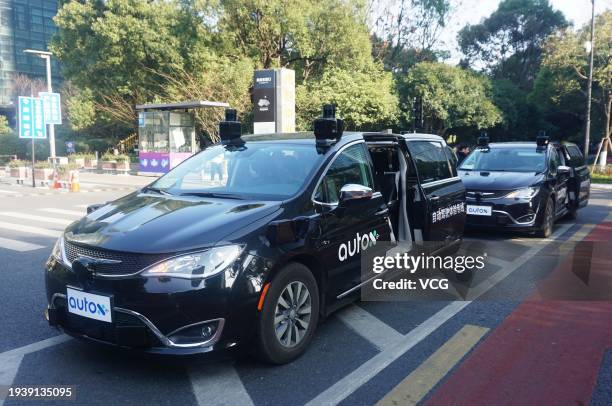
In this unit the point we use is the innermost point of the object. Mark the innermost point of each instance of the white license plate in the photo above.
(478, 210)
(88, 305)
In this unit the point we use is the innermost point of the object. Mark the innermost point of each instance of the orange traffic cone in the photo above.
(74, 181)
(56, 182)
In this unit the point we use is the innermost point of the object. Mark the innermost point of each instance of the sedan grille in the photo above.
(127, 262)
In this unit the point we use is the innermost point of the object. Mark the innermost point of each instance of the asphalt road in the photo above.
(515, 340)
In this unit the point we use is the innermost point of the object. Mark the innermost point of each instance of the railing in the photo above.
(127, 144)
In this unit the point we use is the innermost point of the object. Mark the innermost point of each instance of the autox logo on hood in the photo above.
(357, 244)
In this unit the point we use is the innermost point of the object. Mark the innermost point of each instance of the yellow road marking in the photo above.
(415, 386)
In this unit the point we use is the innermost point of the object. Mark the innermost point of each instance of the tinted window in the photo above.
(513, 159)
(554, 160)
(452, 158)
(350, 166)
(258, 170)
(575, 156)
(430, 159)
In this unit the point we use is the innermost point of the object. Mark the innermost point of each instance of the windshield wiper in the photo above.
(156, 190)
(212, 194)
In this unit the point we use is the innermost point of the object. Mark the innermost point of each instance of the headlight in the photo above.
(196, 265)
(58, 250)
(525, 193)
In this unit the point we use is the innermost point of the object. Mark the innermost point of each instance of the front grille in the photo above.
(130, 262)
(487, 194)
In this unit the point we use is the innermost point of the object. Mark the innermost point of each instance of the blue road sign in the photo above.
(52, 106)
(31, 118)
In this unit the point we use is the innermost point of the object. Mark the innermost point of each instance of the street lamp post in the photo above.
(587, 131)
(47, 57)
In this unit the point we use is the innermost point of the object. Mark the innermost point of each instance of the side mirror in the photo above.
(561, 169)
(352, 193)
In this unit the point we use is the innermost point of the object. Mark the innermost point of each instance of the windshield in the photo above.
(263, 170)
(506, 159)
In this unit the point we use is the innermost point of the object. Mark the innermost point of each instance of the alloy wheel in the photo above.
(292, 314)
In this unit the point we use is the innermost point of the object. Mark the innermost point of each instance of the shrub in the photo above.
(17, 163)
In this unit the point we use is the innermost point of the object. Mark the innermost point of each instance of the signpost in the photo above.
(32, 123)
(52, 107)
(274, 98)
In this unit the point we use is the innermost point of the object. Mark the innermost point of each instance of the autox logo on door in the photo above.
(357, 244)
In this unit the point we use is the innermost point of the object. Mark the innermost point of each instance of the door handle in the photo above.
(382, 212)
(433, 198)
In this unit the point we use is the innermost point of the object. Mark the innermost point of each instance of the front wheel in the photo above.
(548, 221)
(289, 315)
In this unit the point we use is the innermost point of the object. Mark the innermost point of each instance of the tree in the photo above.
(561, 84)
(23, 85)
(507, 44)
(305, 35)
(365, 100)
(4, 126)
(452, 97)
(119, 53)
(408, 31)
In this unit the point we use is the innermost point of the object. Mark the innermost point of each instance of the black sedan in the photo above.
(524, 185)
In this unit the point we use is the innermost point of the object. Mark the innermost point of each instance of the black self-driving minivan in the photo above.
(524, 186)
(250, 242)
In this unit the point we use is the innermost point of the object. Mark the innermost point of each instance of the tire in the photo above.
(548, 220)
(274, 344)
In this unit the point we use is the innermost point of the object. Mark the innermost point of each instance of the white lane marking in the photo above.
(66, 212)
(53, 220)
(369, 327)
(218, 384)
(10, 192)
(9, 366)
(82, 206)
(496, 261)
(353, 381)
(18, 245)
(30, 229)
(37, 346)
(11, 360)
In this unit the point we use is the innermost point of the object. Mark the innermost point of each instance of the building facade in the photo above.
(24, 24)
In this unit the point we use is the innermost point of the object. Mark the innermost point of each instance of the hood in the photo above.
(497, 180)
(163, 224)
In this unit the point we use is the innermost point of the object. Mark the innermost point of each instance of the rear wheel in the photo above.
(289, 315)
(548, 221)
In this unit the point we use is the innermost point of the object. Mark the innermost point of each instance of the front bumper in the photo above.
(507, 213)
(148, 312)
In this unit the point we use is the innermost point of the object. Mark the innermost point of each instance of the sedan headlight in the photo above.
(525, 193)
(196, 265)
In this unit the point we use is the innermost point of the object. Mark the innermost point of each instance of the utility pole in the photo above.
(587, 131)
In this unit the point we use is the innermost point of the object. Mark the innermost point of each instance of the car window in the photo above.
(452, 159)
(525, 159)
(554, 160)
(350, 166)
(430, 159)
(257, 171)
(575, 156)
